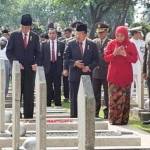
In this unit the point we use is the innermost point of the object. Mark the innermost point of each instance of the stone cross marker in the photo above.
(41, 94)
(86, 114)
(16, 94)
(2, 96)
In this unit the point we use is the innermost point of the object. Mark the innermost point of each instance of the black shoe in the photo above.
(105, 113)
(20, 115)
(146, 122)
(105, 116)
(97, 115)
(28, 117)
(48, 104)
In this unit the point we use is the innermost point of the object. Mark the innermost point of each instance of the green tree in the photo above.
(64, 12)
(114, 12)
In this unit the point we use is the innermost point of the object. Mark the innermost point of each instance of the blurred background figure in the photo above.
(67, 37)
(3, 45)
(146, 64)
(6, 33)
(137, 67)
(44, 38)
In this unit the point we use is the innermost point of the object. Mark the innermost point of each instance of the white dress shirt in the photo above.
(3, 51)
(3, 54)
(27, 36)
(83, 45)
(55, 48)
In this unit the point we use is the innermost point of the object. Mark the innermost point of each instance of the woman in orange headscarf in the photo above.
(120, 53)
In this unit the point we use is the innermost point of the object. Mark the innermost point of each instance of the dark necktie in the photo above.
(25, 40)
(53, 59)
(81, 47)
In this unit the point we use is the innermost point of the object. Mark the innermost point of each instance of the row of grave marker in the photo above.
(86, 108)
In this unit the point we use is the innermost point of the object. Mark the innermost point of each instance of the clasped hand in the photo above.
(79, 64)
(120, 51)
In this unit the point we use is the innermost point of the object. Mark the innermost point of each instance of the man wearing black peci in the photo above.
(82, 56)
(24, 47)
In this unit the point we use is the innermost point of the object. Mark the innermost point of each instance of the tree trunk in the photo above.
(122, 16)
(92, 31)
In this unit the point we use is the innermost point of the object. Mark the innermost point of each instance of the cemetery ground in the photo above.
(134, 123)
(52, 128)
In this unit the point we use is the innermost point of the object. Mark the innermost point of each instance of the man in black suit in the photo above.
(52, 60)
(82, 56)
(100, 72)
(24, 47)
(68, 37)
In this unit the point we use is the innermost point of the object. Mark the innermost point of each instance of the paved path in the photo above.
(145, 136)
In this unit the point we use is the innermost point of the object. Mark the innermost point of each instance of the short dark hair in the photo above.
(133, 32)
(44, 35)
(3, 42)
(5, 31)
(59, 34)
(51, 25)
(75, 24)
(52, 29)
(68, 30)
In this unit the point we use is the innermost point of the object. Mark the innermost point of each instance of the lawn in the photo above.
(66, 105)
(134, 123)
(138, 124)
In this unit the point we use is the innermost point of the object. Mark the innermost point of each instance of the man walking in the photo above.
(24, 47)
(68, 37)
(81, 56)
(52, 60)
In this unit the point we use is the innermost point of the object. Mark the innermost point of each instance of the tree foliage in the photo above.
(64, 12)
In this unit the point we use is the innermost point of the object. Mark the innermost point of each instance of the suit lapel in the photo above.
(78, 49)
(105, 43)
(21, 37)
(86, 48)
(98, 43)
(48, 48)
(29, 40)
(58, 48)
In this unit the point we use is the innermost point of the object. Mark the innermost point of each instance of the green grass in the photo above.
(139, 125)
(66, 105)
(133, 122)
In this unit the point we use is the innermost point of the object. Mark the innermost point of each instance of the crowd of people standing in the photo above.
(113, 64)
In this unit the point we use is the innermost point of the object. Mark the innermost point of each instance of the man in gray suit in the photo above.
(100, 72)
(68, 37)
(81, 55)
